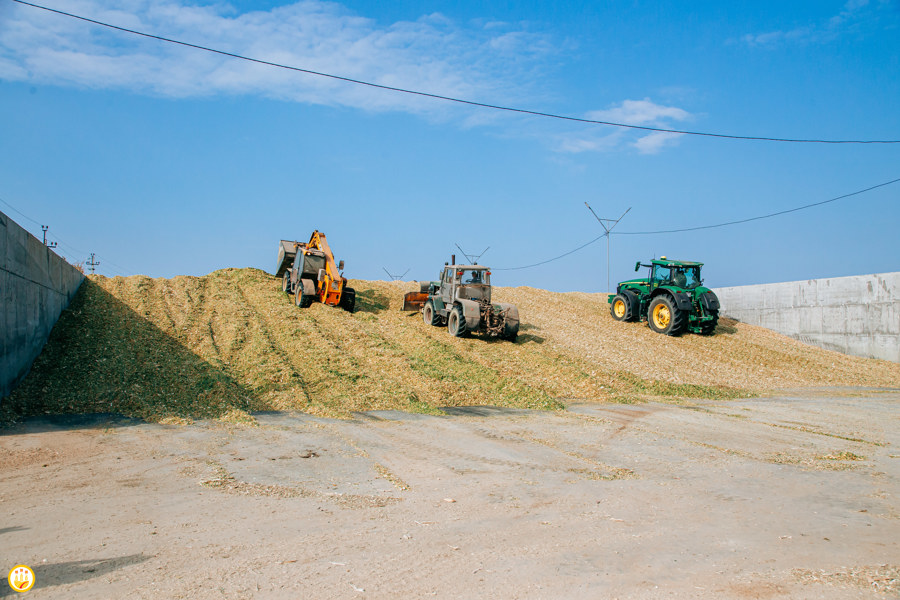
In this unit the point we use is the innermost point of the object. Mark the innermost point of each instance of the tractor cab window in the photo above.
(687, 277)
(474, 276)
(313, 263)
(661, 275)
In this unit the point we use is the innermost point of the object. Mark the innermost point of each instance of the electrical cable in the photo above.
(75, 251)
(544, 262)
(20, 212)
(775, 214)
(449, 98)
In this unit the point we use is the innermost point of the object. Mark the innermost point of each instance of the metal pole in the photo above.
(608, 229)
(607, 262)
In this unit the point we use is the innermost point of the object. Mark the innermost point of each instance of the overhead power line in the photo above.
(450, 98)
(74, 252)
(727, 223)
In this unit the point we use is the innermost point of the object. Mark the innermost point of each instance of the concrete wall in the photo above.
(35, 286)
(857, 315)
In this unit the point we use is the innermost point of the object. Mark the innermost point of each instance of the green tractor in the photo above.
(671, 299)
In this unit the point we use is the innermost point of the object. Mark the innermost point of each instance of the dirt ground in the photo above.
(790, 496)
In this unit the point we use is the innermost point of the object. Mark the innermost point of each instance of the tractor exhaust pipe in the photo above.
(452, 259)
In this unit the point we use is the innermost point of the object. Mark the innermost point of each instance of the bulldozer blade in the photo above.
(414, 301)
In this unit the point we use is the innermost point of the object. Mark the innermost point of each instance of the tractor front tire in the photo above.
(300, 299)
(664, 317)
(456, 322)
(623, 307)
(286, 283)
(710, 326)
(511, 333)
(429, 315)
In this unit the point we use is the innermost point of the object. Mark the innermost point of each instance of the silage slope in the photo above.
(231, 342)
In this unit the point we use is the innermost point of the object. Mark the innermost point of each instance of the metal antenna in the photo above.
(395, 277)
(608, 228)
(92, 263)
(44, 228)
(473, 258)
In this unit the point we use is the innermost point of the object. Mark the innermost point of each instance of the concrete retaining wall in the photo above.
(35, 286)
(857, 315)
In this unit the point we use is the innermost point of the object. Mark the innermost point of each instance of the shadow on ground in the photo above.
(48, 575)
(103, 357)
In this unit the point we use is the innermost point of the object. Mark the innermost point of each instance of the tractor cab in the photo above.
(309, 262)
(685, 275)
(466, 282)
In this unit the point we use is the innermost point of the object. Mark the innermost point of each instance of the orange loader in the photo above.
(309, 273)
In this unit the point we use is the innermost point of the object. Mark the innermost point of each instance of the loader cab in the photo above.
(309, 262)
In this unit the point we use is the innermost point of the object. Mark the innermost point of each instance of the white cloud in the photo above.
(644, 113)
(431, 54)
(482, 61)
(854, 15)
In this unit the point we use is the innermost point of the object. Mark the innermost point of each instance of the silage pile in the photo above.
(230, 342)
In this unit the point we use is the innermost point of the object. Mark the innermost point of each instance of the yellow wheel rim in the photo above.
(661, 316)
(619, 308)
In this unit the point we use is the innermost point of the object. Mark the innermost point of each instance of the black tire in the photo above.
(664, 317)
(286, 283)
(511, 333)
(300, 299)
(624, 306)
(456, 322)
(429, 315)
(348, 299)
(709, 327)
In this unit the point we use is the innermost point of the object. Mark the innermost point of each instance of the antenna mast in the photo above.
(605, 223)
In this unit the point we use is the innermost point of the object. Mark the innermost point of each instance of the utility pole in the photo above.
(473, 258)
(605, 223)
(395, 277)
(92, 263)
(44, 228)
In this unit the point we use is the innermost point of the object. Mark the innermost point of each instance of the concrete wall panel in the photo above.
(857, 315)
(36, 285)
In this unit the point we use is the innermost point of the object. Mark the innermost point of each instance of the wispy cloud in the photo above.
(482, 61)
(855, 15)
(630, 112)
(432, 54)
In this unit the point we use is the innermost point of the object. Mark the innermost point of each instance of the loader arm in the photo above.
(329, 290)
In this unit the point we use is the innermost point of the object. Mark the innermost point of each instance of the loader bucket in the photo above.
(414, 301)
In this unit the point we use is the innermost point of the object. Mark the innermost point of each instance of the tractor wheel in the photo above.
(456, 322)
(300, 299)
(664, 317)
(286, 283)
(623, 307)
(511, 333)
(429, 315)
(348, 299)
(710, 326)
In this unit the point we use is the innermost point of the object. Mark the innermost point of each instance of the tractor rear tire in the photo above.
(624, 307)
(456, 322)
(710, 326)
(664, 317)
(348, 299)
(429, 315)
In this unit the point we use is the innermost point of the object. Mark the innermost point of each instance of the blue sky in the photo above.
(166, 160)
